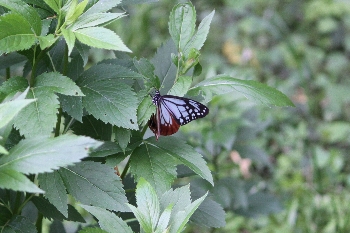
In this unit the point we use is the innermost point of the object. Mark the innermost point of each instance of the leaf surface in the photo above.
(251, 89)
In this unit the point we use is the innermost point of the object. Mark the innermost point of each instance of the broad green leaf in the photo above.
(200, 36)
(70, 39)
(50, 212)
(75, 10)
(178, 149)
(101, 6)
(10, 109)
(179, 198)
(12, 87)
(28, 12)
(147, 211)
(55, 190)
(37, 155)
(112, 103)
(93, 128)
(10, 60)
(164, 219)
(11, 179)
(146, 68)
(251, 89)
(209, 213)
(131, 2)
(182, 217)
(3, 150)
(106, 149)
(19, 224)
(54, 4)
(56, 82)
(145, 110)
(73, 106)
(15, 33)
(41, 113)
(108, 221)
(165, 69)
(182, 23)
(122, 136)
(107, 97)
(47, 41)
(181, 86)
(153, 164)
(87, 180)
(100, 37)
(95, 19)
(92, 230)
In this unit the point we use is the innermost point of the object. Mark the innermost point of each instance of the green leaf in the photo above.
(56, 82)
(50, 212)
(55, 190)
(164, 219)
(147, 211)
(37, 155)
(28, 12)
(146, 68)
(182, 23)
(42, 114)
(47, 41)
(107, 97)
(165, 69)
(150, 162)
(3, 150)
(95, 19)
(145, 110)
(122, 136)
(70, 39)
(92, 230)
(73, 106)
(180, 198)
(107, 148)
(88, 180)
(10, 60)
(10, 179)
(251, 89)
(19, 224)
(107, 220)
(9, 110)
(200, 36)
(131, 2)
(181, 86)
(178, 149)
(75, 10)
(12, 87)
(100, 6)
(182, 217)
(15, 33)
(53, 4)
(100, 37)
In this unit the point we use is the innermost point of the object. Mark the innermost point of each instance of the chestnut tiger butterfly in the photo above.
(172, 112)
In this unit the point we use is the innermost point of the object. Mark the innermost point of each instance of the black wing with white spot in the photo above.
(183, 110)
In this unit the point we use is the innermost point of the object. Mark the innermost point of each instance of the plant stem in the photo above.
(39, 223)
(58, 123)
(35, 66)
(125, 171)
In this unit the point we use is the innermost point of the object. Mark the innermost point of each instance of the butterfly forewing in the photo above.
(173, 111)
(183, 110)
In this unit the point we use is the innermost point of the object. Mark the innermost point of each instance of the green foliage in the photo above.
(67, 124)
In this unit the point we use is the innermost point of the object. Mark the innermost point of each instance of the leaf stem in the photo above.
(125, 171)
(39, 222)
(70, 123)
(35, 66)
(58, 123)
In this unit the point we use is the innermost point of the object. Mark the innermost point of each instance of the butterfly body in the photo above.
(172, 112)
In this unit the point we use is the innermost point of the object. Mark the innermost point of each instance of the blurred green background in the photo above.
(275, 169)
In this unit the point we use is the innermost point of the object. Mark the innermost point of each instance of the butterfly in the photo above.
(172, 112)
